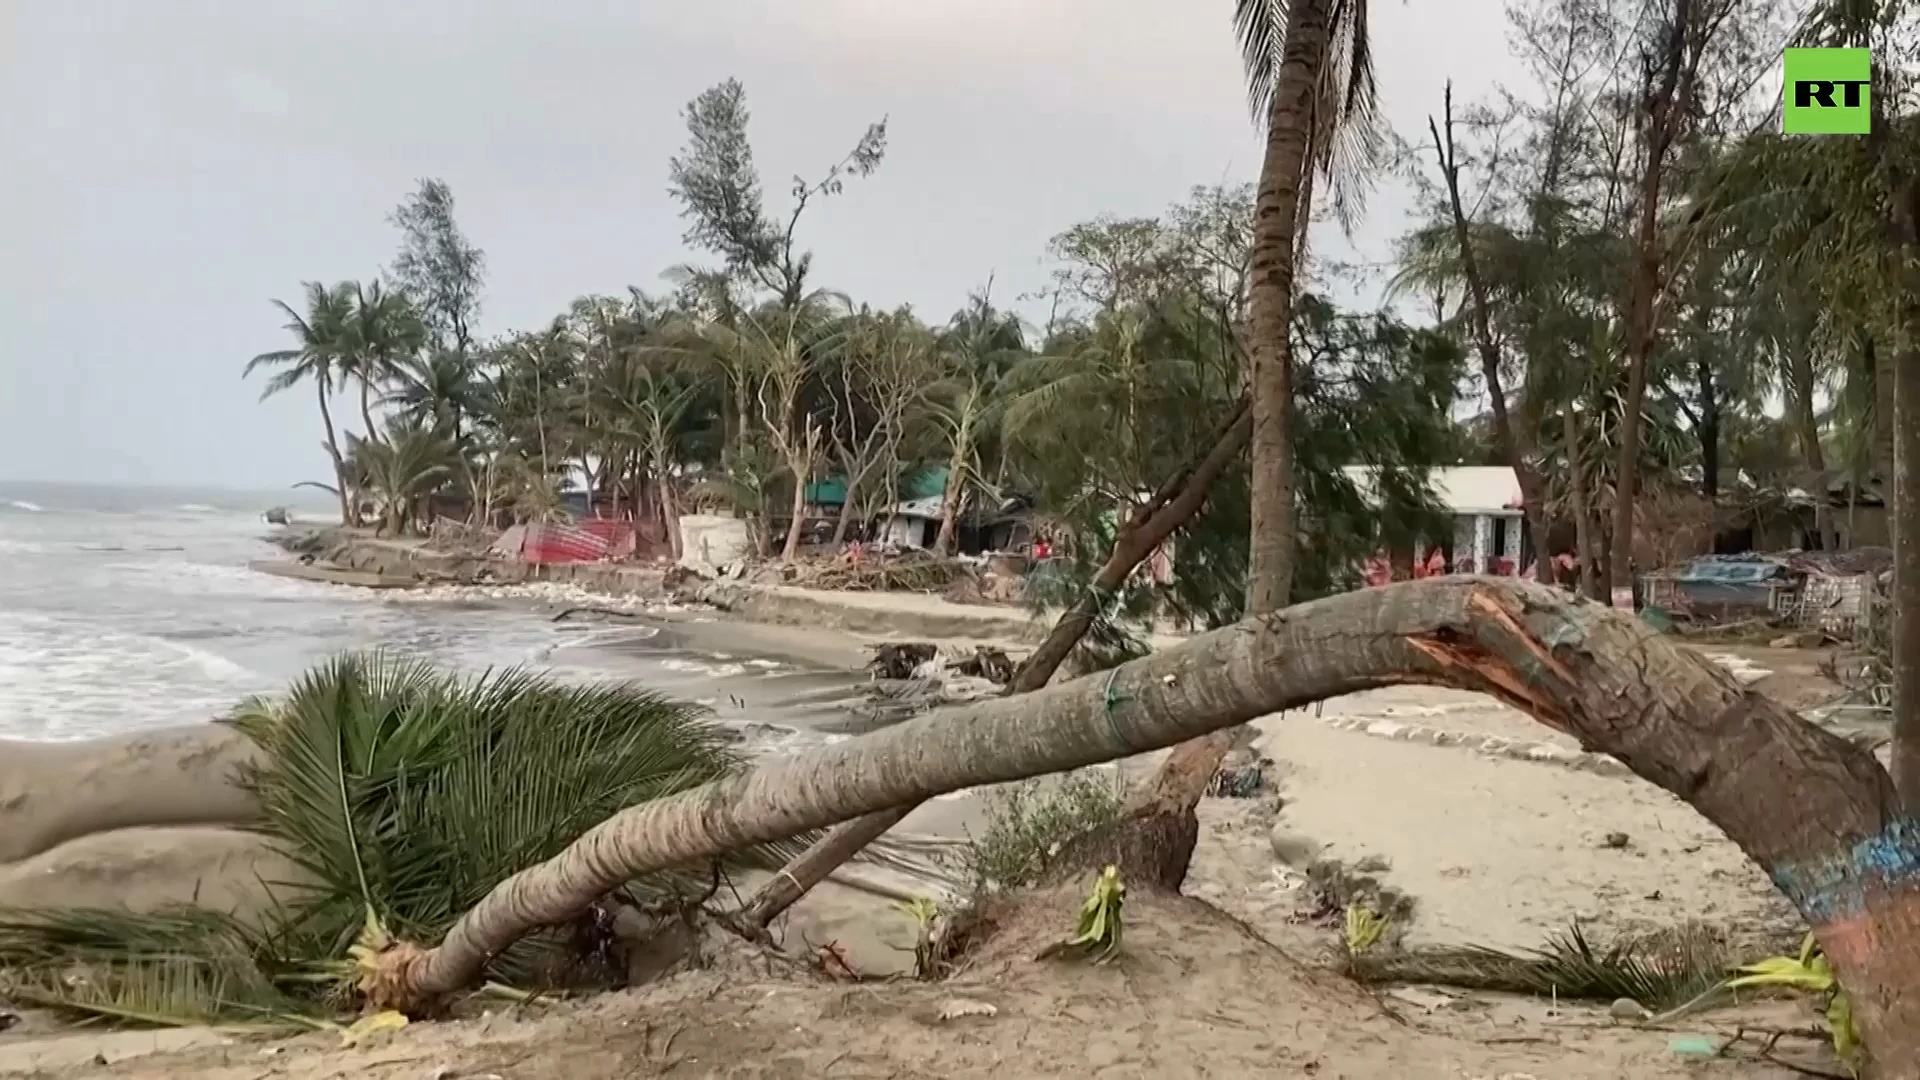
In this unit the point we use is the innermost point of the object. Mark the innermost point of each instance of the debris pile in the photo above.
(912, 677)
(865, 571)
(1821, 594)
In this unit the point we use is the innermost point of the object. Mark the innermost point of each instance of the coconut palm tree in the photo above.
(1309, 69)
(981, 345)
(319, 356)
(402, 470)
(383, 332)
(439, 389)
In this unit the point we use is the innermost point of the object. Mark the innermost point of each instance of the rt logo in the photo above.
(1828, 92)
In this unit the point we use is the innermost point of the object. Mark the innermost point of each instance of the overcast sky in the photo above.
(168, 166)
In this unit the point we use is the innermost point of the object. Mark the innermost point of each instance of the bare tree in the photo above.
(884, 367)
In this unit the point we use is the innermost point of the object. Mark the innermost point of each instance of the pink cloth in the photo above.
(550, 543)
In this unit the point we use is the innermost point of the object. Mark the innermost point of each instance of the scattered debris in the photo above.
(832, 961)
(1628, 1010)
(1242, 775)
(956, 1008)
(1816, 596)
(899, 660)
(603, 612)
(866, 571)
(1427, 999)
(987, 663)
(369, 1027)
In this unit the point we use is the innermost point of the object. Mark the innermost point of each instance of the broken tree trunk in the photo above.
(1818, 813)
(1516, 440)
(1176, 502)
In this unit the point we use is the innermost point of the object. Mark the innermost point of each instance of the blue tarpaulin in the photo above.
(1731, 570)
(1729, 583)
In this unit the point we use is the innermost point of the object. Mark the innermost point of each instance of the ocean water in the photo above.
(125, 609)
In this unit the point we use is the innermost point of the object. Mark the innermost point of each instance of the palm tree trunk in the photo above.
(1879, 362)
(1902, 187)
(669, 507)
(1585, 555)
(590, 481)
(347, 516)
(366, 410)
(1806, 431)
(1814, 810)
(952, 497)
(742, 412)
(1905, 522)
(1276, 214)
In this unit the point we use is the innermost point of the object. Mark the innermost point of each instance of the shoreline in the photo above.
(151, 820)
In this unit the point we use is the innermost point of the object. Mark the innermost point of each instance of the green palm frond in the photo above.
(179, 967)
(400, 789)
(1659, 971)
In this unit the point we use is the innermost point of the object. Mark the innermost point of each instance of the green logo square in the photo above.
(1828, 92)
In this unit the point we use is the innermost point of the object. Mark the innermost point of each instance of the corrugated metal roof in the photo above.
(928, 507)
(1463, 489)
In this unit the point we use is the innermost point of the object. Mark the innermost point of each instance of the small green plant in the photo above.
(925, 913)
(1028, 822)
(1810, 973)
(1097, 931)
(1365, 927)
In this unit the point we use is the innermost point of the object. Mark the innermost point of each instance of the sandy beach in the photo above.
(1497, 827)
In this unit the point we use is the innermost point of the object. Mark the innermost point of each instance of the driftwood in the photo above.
(610, 612)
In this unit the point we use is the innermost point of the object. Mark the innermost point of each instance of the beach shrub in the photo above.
(1028, 822)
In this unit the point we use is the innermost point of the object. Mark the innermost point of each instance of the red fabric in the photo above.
(564, 544)
(620, 536)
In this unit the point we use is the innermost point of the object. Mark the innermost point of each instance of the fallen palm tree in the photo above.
(401, 792)
(1818, 813)
(1658, 971)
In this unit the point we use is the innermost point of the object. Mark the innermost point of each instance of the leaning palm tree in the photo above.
(319, 356)
(1309, 72)
(1599, 675)
(384, 332)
